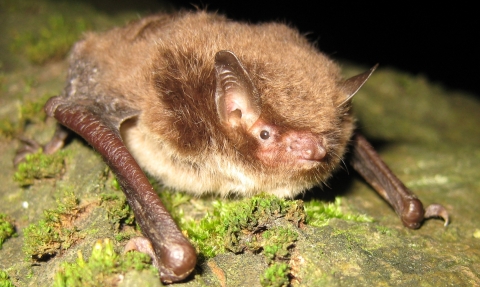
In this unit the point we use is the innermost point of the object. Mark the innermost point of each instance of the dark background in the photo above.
(439, 42)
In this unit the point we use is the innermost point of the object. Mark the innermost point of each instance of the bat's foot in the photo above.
(30, 146)
(438, 211)
(414, 214)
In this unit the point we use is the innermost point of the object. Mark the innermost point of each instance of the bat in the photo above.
(206, 104)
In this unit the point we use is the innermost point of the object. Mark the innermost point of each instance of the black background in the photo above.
(439, 42)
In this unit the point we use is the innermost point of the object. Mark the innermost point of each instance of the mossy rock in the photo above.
(429, 137)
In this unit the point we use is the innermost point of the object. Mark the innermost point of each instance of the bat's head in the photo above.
(307, 142)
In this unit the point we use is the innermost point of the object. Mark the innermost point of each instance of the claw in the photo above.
(437, 210)
(29, 146)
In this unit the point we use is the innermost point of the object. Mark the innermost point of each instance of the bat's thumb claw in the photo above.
(437, 210)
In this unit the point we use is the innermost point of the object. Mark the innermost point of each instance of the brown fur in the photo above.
(163, 66)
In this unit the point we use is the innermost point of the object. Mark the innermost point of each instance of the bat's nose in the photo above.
(307, 147)
(316, 153)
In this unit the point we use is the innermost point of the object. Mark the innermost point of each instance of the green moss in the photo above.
(277, 242)
(233, 225)
(7, 229)
(319, 213)
(2, 78)
(55, 231)
(276, 275)
(5, 280)
(102, 268)
(32, 111)
(49, 42)
(119, 213)
(39, 165)
(115, 185)
(250, 224)
(41, 240)
(172, 201)
(261, 224)
(118, 209)
(384, 230)
(7, 128)
(29, 112)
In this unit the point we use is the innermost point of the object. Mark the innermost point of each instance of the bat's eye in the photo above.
(264, 134)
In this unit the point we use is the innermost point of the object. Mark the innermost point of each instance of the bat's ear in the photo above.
(351, 85)
(238, 102)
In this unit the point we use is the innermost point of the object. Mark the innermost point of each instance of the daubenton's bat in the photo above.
(206, 104)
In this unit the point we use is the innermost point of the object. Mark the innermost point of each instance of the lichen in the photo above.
(103, 268)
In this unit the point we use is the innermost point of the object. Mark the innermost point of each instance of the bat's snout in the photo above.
(305, 146)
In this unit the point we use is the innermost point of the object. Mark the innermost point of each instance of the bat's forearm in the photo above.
(175, 256)
(367, 163)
